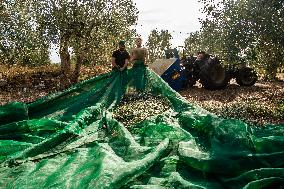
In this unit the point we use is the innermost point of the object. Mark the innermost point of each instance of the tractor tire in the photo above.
(191, 82)
(190, 79)
(246, 77)
(213, 77)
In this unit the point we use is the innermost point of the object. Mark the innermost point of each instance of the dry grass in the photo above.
(16, 70)
(26, 84)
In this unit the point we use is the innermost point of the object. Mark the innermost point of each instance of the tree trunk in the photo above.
(76, 72)
(65, 62)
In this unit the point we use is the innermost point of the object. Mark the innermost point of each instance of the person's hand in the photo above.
(116, 67)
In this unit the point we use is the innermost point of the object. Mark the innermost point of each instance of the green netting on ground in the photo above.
(71, 140)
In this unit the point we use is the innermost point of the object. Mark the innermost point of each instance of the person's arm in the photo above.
(131, 59)
(126, 62)
(113, 61)
(125, 65)
(146, 57)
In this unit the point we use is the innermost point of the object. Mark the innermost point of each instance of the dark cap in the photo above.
(201, 52)
(121, 43)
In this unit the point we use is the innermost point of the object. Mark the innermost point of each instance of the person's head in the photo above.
(201, 55)
(139, 42)
(121, 45)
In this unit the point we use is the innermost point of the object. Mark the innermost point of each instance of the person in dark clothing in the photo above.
(201, 60)
(120, 57)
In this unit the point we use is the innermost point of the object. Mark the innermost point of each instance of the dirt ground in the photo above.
(259, 104)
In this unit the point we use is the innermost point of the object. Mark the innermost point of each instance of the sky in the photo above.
(180, 17)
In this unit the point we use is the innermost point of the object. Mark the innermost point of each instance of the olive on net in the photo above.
(135, 108)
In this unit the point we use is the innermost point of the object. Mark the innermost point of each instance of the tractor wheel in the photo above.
(246, 77)
(191, 82)
(213, 77)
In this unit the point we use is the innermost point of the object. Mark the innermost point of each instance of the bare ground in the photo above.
(259, 104)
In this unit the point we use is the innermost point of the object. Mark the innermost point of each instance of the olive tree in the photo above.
(88, 28)
(249, 28)
(22, 39)
(158, 42)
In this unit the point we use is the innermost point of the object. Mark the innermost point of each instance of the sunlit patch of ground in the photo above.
(259, 104)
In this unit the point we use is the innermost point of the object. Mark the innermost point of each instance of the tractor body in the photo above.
(184, 72)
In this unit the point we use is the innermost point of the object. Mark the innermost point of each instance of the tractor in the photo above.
(213, 75)
(184, 72)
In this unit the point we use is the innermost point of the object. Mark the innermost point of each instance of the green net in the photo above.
(73, 139)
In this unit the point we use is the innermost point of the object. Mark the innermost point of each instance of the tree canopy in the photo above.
(253, 29)
(158, 42)
(91, 29)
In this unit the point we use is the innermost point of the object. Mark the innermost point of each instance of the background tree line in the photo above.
(244, 30)
(251, 29)
(88, 28)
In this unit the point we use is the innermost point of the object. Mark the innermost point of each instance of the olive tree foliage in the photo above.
(90, 28)
(199, 41)
(252, 29)
(22, 40)
(158, 42)
(268, 46)
(192, 44)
